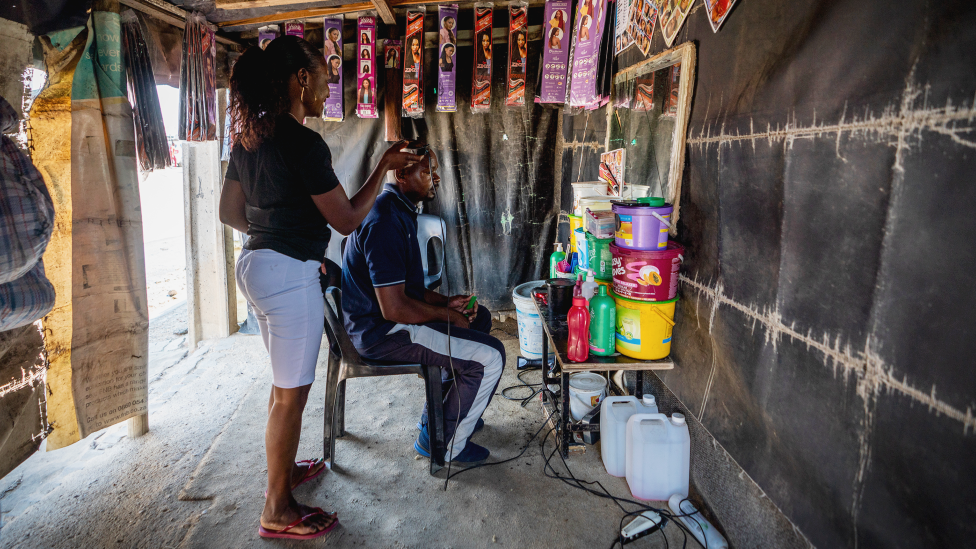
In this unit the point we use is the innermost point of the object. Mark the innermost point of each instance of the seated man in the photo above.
(391, 316)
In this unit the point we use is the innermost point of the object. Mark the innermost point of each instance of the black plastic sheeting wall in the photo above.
(825, 329)
(493, 167)
(825, 335)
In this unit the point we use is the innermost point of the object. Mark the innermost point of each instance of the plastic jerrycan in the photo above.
(603, 322)
(614, 413)
(578, 346)
(658, 456)
(555, 258)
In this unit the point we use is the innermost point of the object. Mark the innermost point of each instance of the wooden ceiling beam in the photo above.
(386, 14)
(299, 14)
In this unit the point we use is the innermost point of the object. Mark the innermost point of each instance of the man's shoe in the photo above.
(477, 426)
(469, 457)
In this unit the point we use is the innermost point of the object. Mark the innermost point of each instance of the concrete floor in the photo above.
(196, 479)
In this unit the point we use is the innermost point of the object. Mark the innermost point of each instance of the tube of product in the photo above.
(518, 53)
(447, 53)
(481, 87)
(413, 64)
(332, 29)
(704, 532)
(557, 28)
(366, 68)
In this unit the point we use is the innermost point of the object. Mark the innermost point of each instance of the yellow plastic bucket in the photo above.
(575, 222)
(644, 327)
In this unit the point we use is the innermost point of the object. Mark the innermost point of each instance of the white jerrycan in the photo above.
(614, 413)
(658, 456)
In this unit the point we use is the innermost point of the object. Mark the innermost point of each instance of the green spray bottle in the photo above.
(603, 322)
(555, 258)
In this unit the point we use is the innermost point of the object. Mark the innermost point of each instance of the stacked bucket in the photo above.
(644, 274)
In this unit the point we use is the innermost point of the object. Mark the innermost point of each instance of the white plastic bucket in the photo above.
(634, 192)
(584, 189)
(529, 323)
(586, 390)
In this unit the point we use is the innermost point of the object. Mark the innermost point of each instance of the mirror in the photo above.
(648, 117)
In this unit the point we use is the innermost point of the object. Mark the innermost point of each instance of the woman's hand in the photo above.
(395, 159)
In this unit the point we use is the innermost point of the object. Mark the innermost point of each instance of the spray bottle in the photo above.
(555, 258)
(589, 287)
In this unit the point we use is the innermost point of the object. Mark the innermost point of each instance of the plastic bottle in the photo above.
(578, 288)
(698, 525)
(589, 287)
(603, 321)
(578, 346)
(614, 413)
(555, 258)
(658, 456)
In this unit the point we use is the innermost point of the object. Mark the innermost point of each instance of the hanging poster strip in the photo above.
(481, 89)
(366, 68)
(518, 52)
(587, 36)
(295, 29)
(333, 66)
(644, 93)
(266, 35)
(621, 38)
(413, 64)
(673, 14)
(446, 98)
(555, 51)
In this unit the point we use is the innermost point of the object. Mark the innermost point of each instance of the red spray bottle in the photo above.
(578, 346)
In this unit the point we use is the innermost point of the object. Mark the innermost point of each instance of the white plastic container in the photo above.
(658, 456)
(586, 188)
(614, 413)
(633, 192)
(529, 323)
(589, 285)
(586, 390)
(596, 203)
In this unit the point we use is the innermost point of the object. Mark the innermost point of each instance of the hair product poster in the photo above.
(644, 93)
(587, 34)
(366, 68)
(447, 50)
(674, 84)
(518, 53)
(413, 64)
(333, 66)
(718, 10)
(393, 49)
(673, 14)
(266, 35)
(557, 30)
(481, 86)
(641, 18)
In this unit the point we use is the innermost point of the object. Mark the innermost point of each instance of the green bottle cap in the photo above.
(603, 290)
(654, 201)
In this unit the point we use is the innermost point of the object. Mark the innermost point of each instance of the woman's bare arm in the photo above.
(232, 205)
(345, 214)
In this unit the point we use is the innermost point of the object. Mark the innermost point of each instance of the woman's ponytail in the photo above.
(259, 86)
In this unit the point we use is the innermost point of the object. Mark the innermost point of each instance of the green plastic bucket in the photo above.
(599, 258)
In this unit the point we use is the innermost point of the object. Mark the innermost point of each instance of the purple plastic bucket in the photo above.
(638, 228)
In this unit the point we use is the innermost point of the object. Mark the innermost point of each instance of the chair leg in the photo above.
(435, 417)
(331, 388)
(341, 409)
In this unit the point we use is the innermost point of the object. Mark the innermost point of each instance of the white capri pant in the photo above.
(287, 300)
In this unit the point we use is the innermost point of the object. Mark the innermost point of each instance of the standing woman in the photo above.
(281, 190)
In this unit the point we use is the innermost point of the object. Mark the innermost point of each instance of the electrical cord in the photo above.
(524, 385)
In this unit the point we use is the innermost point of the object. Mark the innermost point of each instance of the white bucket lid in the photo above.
(587, 382)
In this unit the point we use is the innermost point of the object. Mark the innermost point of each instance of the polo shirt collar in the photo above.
(391, 188)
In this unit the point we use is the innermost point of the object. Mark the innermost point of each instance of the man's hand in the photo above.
(459, 303)
(458, 320)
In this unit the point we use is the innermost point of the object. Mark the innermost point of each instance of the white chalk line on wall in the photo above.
(870, 370)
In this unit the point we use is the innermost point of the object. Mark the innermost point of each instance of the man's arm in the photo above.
(434, 298)
(397, 307)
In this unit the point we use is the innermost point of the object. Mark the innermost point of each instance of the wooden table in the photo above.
(556, 332)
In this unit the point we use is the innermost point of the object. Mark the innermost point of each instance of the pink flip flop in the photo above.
(283, 533)
(311, 463)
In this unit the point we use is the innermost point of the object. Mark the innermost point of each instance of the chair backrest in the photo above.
(337, 331)
(431, 233)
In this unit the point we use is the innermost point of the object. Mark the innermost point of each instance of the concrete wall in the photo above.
(15, 56)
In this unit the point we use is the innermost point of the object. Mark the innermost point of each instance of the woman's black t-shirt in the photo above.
(278, 180)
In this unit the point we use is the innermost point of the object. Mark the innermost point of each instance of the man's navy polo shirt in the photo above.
(383, 251)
